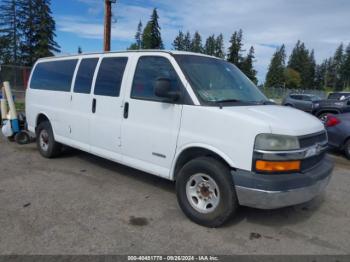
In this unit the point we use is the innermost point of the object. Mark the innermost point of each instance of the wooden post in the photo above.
(3, 105)
(107, 26)
(9, 97)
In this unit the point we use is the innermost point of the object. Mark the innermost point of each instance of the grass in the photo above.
(20, 106)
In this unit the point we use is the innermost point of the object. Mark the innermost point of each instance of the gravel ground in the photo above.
(82, 204)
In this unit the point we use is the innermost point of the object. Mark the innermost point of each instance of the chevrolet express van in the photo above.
(186, 117)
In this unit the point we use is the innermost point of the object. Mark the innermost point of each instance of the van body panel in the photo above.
(135, 128)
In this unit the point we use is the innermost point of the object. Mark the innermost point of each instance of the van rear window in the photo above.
(53, 75)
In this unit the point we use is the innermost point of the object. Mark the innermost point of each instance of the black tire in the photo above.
(11, 138)
(347, 149)
(220, 173)
(22, 138)
(53, 148)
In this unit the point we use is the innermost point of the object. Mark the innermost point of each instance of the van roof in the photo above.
(172, 52)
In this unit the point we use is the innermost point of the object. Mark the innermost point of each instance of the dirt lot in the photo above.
(82, 204)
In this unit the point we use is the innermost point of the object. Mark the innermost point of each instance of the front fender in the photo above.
(203, 146)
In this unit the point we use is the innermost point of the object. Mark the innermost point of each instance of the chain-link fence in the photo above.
(18, 77)
(278, 93)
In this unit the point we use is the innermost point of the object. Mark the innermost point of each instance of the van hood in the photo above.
(280, 119)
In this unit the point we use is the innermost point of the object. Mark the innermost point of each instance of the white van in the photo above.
(186, 117)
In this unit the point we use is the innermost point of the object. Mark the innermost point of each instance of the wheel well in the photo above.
(41, 118)
(192, 153)
(330, 111)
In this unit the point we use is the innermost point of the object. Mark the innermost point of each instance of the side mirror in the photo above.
(163, 89)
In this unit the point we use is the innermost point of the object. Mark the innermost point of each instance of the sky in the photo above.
(321, 24)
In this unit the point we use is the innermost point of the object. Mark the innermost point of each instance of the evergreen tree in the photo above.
(29, 26)
(247, 66)
(299, 60)
(336, 68)
(275, 74)
(210, 45)
(235, 50)
(151, 37)
(138, 35)
(10, 33)
(45, 31)
(219, 46)
(196, 44)
(178, 43)
(311, 70)
(320, 74)
(187, 42)
(345, 70)
(138, 38)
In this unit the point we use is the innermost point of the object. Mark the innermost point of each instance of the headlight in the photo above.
(316, 105)
(276, 142)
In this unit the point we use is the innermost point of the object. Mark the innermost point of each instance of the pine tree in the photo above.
(138, 38)
(138, 35)
(247, 66)
(320, 74)
(210, 45)
(299, 60)
(187, 42)
(345, 69)
(219, 46)
(196, 44)
(311, 70)
(235, 50)
(275, 74)
(10, 33)
(151, 37)
(46, 26)
(178, 43)
(336, 68)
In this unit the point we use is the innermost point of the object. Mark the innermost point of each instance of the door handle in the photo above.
(126, 110)
(94, 105)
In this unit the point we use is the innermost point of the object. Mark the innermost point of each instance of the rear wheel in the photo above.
(347, 149)
(205, 192)
(45, 140)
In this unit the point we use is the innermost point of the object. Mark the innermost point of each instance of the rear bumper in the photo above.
(275, 191)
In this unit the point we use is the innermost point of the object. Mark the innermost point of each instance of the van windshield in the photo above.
(216, 81)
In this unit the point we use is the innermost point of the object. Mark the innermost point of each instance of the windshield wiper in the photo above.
(228, 101)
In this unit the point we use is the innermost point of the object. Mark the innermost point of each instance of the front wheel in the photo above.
(205, 192)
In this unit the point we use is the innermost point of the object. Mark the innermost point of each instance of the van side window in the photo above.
(53, 75)
(85, 75)
(110, 76)
(148, 70)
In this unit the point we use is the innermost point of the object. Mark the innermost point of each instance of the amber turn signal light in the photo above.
(272, 166)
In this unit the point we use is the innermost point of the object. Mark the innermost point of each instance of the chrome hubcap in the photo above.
(44, 140)
(202, 193)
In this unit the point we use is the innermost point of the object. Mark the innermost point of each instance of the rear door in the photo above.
(106, 107)
(151, 124)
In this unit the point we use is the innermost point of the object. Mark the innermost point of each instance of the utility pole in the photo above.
(107, 25)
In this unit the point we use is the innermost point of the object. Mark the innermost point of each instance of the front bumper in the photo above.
(281, 190)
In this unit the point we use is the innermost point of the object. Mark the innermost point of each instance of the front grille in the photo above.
(310, 162)
(310, 140)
